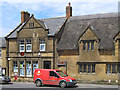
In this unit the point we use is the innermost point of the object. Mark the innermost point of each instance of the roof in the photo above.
(105, 27)
(53, 24)
(2, 42)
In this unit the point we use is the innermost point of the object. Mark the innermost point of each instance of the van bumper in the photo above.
(71, 83)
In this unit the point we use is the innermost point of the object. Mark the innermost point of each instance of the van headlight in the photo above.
(70, 80)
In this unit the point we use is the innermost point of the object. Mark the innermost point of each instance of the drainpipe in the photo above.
(7, 54)
(53, 52)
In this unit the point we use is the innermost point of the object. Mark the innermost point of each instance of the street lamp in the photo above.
(40, 59)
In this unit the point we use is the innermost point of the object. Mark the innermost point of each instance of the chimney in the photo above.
(68, 10)
(24, 16)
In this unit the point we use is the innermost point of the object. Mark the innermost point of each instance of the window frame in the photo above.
(28, 68)
(23, 68)
(15, 66)
(42, 43)
(28, 44)
(21, 45)
(31, 25)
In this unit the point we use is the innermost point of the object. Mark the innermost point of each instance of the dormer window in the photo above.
(88, 45)
(31, 25)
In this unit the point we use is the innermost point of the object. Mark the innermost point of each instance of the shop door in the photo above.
(47, 64)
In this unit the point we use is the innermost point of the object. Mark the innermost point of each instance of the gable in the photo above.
(117, 36)
(37, 29)
(88, 35)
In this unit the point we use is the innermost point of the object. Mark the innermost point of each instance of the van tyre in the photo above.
(63, 84)
(38, 83)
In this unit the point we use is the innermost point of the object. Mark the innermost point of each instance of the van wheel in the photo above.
(63, 84)
(38, 83)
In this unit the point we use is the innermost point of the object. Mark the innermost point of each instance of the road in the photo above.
(32, 85)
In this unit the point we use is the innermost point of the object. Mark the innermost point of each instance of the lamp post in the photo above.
(40, 59)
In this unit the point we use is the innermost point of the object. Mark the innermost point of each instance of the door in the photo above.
(53, 78)
(47, 64)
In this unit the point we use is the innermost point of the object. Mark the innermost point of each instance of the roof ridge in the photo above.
(51, 18)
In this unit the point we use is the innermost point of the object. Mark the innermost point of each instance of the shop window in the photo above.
(108, 68)
(28, 46)
(21, 46)
(3, 71)
(28, 68)
(15, 66)
(0, 71)
(31, 25)
(22, 68)
(87, 68)
(0, 52)
(35, 66)
(42, 45)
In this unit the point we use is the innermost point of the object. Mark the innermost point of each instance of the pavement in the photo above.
(32, 85)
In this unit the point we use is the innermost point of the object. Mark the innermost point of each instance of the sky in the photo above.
(10, 10)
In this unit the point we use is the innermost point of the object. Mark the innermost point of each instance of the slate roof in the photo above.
(105, 27)
(2, 42)
(53, 24)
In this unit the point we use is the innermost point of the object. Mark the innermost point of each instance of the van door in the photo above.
(53, 78)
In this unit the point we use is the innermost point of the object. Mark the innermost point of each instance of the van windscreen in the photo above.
(61, 73)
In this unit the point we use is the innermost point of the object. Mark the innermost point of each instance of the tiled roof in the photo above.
(2, 42)
(105, 27)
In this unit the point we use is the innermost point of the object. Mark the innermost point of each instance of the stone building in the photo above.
(3, 61)
(85, 47)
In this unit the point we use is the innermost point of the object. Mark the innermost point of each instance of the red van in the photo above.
(52, 77)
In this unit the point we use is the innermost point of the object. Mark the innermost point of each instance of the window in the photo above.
(88, 45)
(21, 45)
(22, 68)
(28, 46)
(35, 66)
(93, 68)
(53, 74)
(119, 44)
(15, 66)
(42, 45)
(0, 53)
(87, 68)
(108, 68)
(28, 68)
(92, 45)
(113, 68)
(118, 68)
(84, 45)
(31, 25)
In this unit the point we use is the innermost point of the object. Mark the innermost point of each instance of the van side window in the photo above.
(53, 74)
